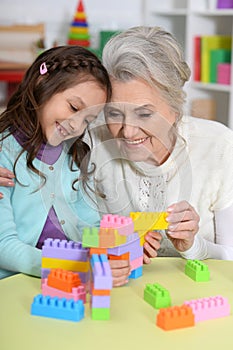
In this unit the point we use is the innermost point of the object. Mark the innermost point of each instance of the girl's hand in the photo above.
(183, 225)
(6, 177)
(120, 272)
(151, 245)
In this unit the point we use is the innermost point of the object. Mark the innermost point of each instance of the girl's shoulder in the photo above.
(9, 144)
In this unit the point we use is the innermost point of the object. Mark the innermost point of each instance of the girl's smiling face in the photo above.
(68, 113)
(141, 121)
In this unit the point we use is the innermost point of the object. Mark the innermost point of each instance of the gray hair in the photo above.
(153, 55)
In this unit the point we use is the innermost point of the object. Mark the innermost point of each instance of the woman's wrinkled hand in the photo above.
(151, 246)
(120, 272)
(183, 225)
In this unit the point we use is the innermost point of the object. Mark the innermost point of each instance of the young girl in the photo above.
(62, 92)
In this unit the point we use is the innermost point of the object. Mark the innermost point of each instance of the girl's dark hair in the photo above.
(67, 66)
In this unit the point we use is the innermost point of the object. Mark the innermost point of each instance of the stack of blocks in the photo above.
(101, 285)
(65, 268)
(124, 236)
(67, 255)
(79, 32)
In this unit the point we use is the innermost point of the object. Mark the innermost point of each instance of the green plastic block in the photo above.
(100, 313)
(90, 237)
(197, 270)
(157, 296)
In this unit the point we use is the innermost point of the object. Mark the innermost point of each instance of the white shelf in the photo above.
(211, 86)
(187, 19)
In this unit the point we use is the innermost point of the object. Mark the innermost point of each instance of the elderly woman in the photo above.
(151, 157)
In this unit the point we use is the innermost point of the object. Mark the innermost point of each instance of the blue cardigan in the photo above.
(25, 208)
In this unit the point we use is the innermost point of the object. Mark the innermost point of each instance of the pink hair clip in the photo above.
(43, 68)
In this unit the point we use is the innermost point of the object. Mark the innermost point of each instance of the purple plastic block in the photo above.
(100, 301)
(123, 224)
(225, 4)
(101, 272)
(209, 308)
(132, 246)
(63, 249)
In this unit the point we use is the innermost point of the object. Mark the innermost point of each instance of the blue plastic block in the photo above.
(55, 307)
(136, 273)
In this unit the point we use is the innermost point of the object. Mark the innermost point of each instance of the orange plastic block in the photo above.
(119, 257)
(103, 292)
(96, 250)
(106, 237)
(175, 317)
(63, 280)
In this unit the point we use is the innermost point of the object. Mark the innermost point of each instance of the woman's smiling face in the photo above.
(141, 121)
(67, 114)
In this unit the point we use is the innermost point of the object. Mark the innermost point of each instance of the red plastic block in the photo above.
(63, 280)
(209, 308)
(175, 317)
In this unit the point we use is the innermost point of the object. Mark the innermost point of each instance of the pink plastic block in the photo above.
(224, 73)
(63, 249)
(123, 224)
(78, 293)
(101, 272)
(134, 264)
(209, 308)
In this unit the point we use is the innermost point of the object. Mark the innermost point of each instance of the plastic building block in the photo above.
(77, 293)
(149, 221)
(123, 224)
(157, 296)
(100, 291)
(100, 313)
(102, 276)
(63, 280)
(71, 265)
(90, 237)
(125, 256)
(175, 317)
(98, 251)
(136, 273)
(136, 263)
(197, 270)
(63, 249)
(57, 308)
(209, 308)
(106, 237)
(100, 301)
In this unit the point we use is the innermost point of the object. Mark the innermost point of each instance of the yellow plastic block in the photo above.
(119, 239)
(71, 265)
(149, 221)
